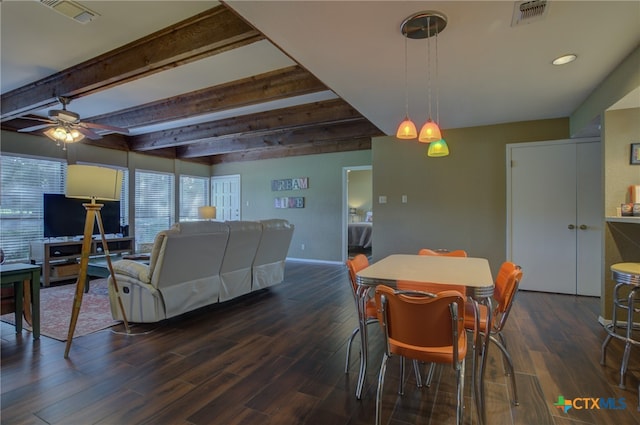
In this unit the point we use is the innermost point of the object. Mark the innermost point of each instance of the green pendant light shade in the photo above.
(438, 148)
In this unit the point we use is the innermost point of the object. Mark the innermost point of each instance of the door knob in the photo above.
(571, 227)
(583, 227)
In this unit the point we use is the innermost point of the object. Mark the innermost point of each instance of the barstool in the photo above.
(627, 275)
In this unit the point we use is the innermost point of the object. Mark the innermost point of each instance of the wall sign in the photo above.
(289, 202)
(297, 183)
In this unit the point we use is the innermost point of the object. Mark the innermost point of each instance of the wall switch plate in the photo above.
(382, 199)
(404, 199)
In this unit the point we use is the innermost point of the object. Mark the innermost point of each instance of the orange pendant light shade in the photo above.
(430, 132)
(438, 148)
(407, 130)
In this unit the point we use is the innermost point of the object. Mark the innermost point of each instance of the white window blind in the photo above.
(154, 204)
(194, 193)
(24, 181)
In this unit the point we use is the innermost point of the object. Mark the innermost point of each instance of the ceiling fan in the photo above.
(65, 126)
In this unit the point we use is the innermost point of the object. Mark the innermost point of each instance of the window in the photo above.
(154, 205)
(194, 193)
(24, 181)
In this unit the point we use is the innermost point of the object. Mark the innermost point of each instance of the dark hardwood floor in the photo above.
(277, 357)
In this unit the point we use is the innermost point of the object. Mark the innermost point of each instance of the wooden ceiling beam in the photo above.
(211, 32)
(252, 125)
(322, 133)
(269, 86)
(310, 148)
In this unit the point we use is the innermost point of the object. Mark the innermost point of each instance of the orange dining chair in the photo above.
(355, 264)
(506, 286)
(446, 253)
(425, 327)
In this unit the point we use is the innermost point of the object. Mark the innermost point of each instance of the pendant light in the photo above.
(407, 129)
(419, 26)
(439, 147)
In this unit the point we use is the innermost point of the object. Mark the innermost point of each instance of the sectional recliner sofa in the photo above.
(195, 264)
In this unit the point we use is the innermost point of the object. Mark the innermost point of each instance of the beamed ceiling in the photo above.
(216, 82)
(328, 125)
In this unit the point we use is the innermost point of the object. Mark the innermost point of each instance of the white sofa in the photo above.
(199, 263)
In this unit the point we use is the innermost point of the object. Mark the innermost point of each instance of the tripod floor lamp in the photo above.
(92, 183)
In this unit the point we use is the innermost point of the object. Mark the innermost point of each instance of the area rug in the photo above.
(56, 303)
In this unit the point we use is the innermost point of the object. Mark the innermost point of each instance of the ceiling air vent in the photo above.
(525, 12)
(71, 9)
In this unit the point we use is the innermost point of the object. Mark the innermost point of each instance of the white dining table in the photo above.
(473, 273)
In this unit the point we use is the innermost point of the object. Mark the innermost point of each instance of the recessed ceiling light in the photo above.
(564, 59)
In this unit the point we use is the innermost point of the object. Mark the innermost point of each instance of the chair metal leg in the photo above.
(350, 342)
(383, 369)
(509, 364)
(416, 369)
(353, 335)
(432, 369)
(460, 393)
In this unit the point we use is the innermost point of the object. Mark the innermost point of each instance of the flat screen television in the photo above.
(66, 216)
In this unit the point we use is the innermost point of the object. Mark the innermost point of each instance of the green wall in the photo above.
(318, 226)
(453, 202)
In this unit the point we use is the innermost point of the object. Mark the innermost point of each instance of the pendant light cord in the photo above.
(437, 85)
(429, 63)
(406, 73)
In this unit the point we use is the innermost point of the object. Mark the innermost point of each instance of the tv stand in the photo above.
(60, 259)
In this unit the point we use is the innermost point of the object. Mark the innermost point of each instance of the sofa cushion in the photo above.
(199, 227)
(133, 269)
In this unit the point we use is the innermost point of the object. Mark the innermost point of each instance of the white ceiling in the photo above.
(489, 72)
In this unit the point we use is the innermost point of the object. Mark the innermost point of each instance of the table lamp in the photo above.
(207, 212)
(92, 183)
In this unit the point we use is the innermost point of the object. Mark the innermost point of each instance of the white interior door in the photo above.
(543, 208)
(225, 192)
(589, 221)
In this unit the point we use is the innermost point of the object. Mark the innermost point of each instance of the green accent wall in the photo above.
(453, 202)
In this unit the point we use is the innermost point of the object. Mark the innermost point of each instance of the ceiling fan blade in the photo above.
(31, 117)
(88, 133)
(105, 127)
(35, 127)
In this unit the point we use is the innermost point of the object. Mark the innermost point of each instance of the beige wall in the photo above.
(319, 223)
(621, 240)
(454, 202)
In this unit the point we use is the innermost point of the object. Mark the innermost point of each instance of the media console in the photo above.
(60, 259)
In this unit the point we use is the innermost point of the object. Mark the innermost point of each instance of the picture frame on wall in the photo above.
(635, 154)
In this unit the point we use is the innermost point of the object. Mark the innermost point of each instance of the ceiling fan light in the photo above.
(407, 130)
(430, 132)
(50, 133)
(438, 148)
(60, 133)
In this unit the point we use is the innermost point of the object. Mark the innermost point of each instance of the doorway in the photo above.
(357, 211)
(225, 194)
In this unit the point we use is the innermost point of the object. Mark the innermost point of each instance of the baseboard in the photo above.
(308, 260)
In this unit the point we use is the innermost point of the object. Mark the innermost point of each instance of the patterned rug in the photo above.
(56, 303)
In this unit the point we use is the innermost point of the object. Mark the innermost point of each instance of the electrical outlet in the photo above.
(302, 247)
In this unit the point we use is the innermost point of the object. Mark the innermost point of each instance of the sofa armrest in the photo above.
(134, 269)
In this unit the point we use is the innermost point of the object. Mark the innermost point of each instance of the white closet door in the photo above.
(589, 219)
(543, 208)
(555, 215)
